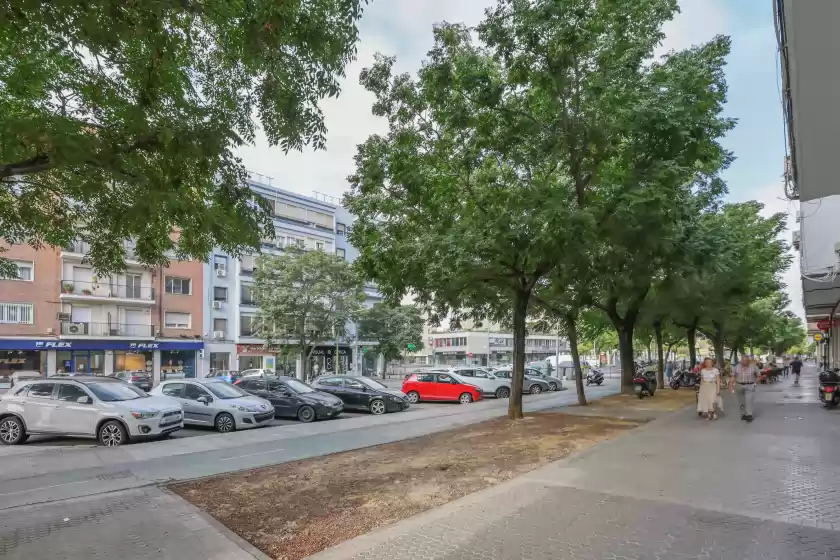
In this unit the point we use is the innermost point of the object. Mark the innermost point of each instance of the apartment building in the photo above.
(59, 316)
(316, 223)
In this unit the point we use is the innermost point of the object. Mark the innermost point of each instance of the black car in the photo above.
(139, 379)
(362, 393)
(292, 398)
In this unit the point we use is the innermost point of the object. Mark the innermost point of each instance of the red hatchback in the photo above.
(439, 387)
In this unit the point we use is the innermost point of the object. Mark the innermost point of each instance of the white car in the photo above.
(216, 403)
(258, 372)
(104, 408)
(490, 385)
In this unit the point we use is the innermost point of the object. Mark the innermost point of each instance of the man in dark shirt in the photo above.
(796, 366)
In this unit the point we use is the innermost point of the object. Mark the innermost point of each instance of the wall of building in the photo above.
(41, 291)
(192, 303)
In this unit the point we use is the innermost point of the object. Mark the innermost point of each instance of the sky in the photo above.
(403, 28)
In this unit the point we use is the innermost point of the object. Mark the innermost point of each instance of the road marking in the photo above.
(252, 454)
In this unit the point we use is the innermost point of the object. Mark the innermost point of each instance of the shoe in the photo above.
(748, 418)
(743, 417)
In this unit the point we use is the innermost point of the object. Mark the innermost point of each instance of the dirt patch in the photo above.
(296, 509)
(663, 400)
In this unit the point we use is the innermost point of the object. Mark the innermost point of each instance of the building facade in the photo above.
(810, 75)
(58, 316)
(303, 222)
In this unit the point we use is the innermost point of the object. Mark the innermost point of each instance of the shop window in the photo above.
(180, 286)
(16, 313)
(250, 362)
(24, 271)
(173, 320)
(22, 360)
(219, 361)
(220, 293)
(177, 364)
(132, 361)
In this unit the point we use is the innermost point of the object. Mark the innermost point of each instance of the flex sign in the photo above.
(45, 345)
(144, 346)
(29, 344)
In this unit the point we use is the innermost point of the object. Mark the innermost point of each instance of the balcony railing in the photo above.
(107, 290)
(250, 302)
(83, 248)
(106, 329)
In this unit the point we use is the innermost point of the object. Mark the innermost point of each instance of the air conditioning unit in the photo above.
(797, 237)
(217, 305)
(76, 328)
(221, 272)
(218, 335)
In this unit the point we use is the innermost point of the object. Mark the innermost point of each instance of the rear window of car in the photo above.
(41, 390)
(426, 377)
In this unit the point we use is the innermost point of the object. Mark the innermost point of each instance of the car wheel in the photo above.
(413, 397)
(377, 407)
(225, 423)
(502, 393)
(465, 398)
(552, 386)
(535, 389)
(112, 434)
(12, 431)
(306, 414)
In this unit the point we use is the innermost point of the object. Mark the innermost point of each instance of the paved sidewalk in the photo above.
(678, 488)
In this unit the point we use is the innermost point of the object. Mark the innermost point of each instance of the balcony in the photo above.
(72, 328)
(248, 302)
(106, 291)
(78, 250)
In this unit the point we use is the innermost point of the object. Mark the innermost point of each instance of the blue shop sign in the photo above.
(22, 344)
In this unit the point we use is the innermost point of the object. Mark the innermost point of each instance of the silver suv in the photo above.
(490, 385)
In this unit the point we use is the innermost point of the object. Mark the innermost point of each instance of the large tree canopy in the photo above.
(120, 120)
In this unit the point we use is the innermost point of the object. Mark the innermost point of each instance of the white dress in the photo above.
(707, 399)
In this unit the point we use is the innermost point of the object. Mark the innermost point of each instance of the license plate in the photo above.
(638, 388)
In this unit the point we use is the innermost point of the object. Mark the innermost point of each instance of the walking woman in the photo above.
(709, 389)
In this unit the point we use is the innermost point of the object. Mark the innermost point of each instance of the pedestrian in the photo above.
(796, 367)
(709, 389)
(669, 368)
(742, 383)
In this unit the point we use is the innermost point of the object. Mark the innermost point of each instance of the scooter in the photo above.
(684, 378)
(830, 388)
(594, 376)
(644, 383)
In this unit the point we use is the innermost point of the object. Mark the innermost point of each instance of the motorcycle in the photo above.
(684, 378)
(594, 376)
(644, 383)
(830, 388)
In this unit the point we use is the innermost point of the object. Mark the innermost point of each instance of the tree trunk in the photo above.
(628, 364)
(571, 328)
(648, 350)
(520, 313)
(660, 357)
(717, 341)
(691, 335)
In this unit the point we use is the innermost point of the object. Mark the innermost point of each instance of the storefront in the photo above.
(102, 357)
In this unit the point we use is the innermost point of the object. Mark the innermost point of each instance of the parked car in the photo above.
(104, 408)
(438, 386)
(224, 374)
(293, 398)
(554, 382)
(531, 385)
(258, 372)
(139, 379)
(362, 393)
(216, 403)
(491, 386)
(24, 375)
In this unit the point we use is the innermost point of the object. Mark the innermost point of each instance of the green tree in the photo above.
(120, 120)
(305, 299)
(394, 328)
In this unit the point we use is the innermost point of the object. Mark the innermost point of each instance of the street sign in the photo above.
(411, 347)
(364, 349)
(823, 324)
(818, 337)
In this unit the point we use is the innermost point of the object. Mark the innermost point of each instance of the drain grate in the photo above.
(114, 476)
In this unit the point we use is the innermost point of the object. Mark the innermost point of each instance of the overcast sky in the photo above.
(403, 28)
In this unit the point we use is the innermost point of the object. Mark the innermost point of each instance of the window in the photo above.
(192, 392)
(247, 263)
(174, 320)
(16, 313)
(41, 390)
(340, 229)
(219, 262)
(320, 219)
(70, 393)
(426, 377)
(442, 378)
(24, 271)
(219, 293)
(291, 211)
(353, 384)
(341, 253)
(220, 324)
(247, 295)
(256, 385)
(178, 285)
(331, 382)
(466, 372)
(319, 245)
(173, 389)
(247, 325)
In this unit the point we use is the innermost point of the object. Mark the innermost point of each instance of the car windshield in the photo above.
(299, 386)
(112, 392)
(225, 391)
(372, 383)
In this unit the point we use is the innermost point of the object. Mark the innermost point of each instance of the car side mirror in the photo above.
(204, 399)
(83, 400)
